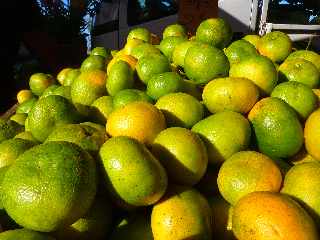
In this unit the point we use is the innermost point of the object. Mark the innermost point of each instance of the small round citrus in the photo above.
(240, 50)
(58, 181)
(267, 215)
(180, 109)
(275, 45)
(245, 172)
(140, 33)
(203, 63)
(185, 166)
(299, 96)
(253, 39)
(126, 96)
(38, 82)
(300, 70)
(214, 31)
(168, 44)
(164, 83)
(224, 134)
(235, 94)
(139, 120)
(174, 30)
(308, 55)
(24, 95)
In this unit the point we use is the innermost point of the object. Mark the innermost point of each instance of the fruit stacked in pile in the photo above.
(184, 138)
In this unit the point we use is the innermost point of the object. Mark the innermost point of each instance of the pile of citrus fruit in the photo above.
(181, 138)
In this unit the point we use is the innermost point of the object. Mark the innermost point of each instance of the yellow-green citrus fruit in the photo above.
(168, 44)
(240, 50)
(140, 33)
(180, 109)
(312, 134)
(185, 165)
(300, 70)
(58, 180)
(38, 82)
(224, 134)
(174, 30)
(203, 63)
(93, 62)
(183, 213)
(235, 94)
(253, 39)
(134, 177)
(260, 70)
(47, 113)
(275, 45)
(126, 96)
(24, 234)
(278, 132)
(245, 172)
(307, 55)
(101, 108)
(214, 31)
(299, 96)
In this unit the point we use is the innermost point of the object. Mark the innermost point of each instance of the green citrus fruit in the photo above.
(203, 63)
(140, 33)
(120, 77)
(93, 62)
(7, 131)
(58, 180)
(168, 44)
(71, 75)
(260, 70)
(300, 70)
(278, 132)
(164, 83)
(144, 49)
(62, 75)
(24, 95)
(308, 55)
(49, 112)
(26, 106)
(253, 39)
(235, 94)
(149, 65)
(19, 118)
(299, 96)
(180, 109)
(38, 82)
(174, 30)
(134, 177)
(184, 166)
(126, 96)
(214, 31)
(240, 50)
(180, 51)
(275, 45)
(101, 108)
(24, 234)
(100, 51)
(11, 149)
(224, 134)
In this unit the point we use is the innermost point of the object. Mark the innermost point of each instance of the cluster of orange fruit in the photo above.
(185, 138)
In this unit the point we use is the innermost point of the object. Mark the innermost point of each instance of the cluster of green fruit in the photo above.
(181, 138)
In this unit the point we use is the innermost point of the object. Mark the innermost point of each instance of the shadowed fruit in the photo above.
(86, 88)
(88, 138)
(183, 213)
(214, 31)
(164, 83)
(240, 50)
(174, 30)
(299, 96)
(7, 131)
(134, 227)
(253, 39)
(101, 108)
(58, 181)
(19, 118)
(120, 77)
(203, 63)
(24, 95)
(260, 70)
(38, 82)
(312, 134)
(93, 62)
(275, 45)
(126, 96)
(235, 94)
(180, 51)
(168, 44)
(224, 134)
(245, 172)
(133, 177)
(11, 149)
(180, 109)
(139, 120)
(24, 234)
(301, 183)
(26, 106)
(300, 70)
(140, 33)
(47, 113)
(151, 64)
(307, 55)
(185, 165)
(266, 215)
(278, 132)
